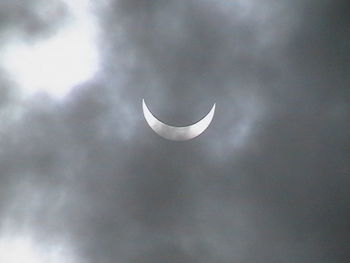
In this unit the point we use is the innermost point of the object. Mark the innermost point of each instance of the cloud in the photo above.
(266, 182)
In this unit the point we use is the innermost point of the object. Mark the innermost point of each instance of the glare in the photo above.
(56, 64)
(25, 250)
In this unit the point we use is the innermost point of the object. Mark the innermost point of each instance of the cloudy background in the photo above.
(84, 179)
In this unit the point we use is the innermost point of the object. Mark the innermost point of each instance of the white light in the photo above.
(25, 250)
(57, 64)
(18, 251)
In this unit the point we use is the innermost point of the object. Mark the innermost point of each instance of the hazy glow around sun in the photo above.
(56, 64)
(26, 250)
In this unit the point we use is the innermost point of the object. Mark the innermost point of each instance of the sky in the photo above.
(84, 179)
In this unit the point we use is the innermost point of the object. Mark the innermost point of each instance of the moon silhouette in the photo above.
(177, 133)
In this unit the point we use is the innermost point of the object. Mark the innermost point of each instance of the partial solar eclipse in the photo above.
(177, 133)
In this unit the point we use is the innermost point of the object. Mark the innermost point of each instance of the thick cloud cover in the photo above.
(267, 182)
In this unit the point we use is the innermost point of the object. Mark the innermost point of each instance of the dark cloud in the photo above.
(268, 181)
(30, 19)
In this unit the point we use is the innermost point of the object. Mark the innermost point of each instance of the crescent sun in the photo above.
(177, 133)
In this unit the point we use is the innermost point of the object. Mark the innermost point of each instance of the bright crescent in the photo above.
(177, 133)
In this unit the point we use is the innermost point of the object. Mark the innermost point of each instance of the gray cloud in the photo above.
(268, 181)
(30, 19)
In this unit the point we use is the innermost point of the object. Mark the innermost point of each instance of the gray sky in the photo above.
(84, 179)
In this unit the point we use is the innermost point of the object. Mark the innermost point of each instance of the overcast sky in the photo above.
(84, 179)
